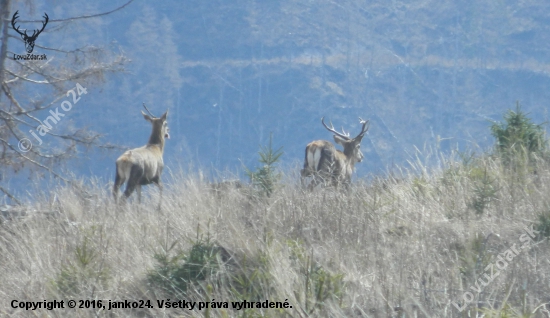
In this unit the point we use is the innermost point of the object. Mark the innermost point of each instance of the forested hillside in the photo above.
(428, 74)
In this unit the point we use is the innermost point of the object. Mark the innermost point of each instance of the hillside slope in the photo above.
(422, 245)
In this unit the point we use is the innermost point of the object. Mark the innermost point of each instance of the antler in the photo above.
(331, 129)
(148, 111)
(363, 129)
(15, 17)
(43, 25)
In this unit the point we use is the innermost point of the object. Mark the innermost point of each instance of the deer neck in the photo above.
(351, 163)
(350, 158)
(156, 139)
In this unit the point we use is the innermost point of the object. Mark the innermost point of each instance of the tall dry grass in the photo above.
(403, 245)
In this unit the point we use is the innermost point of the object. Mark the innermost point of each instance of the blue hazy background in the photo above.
(430, 76)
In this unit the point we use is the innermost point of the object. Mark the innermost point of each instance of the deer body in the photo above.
(143, 166)
(325, 163)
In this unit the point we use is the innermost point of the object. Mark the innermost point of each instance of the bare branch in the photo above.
(85, 16)
(14, 199)
(19, 109)
(7, 91)
(27, 79)
(22, 155)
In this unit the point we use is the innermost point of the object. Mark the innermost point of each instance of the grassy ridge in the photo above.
(408, 245)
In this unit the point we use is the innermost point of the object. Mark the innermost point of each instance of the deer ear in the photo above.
(163, 117)
(147, 117)
(339, 140)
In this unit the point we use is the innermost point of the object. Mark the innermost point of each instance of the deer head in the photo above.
(160, 130)
(351, 145)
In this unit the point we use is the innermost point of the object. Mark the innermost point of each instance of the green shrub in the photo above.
(474, 258)
(517, 137)
(175, 271)
(265, 179)
(543, 225)
(485, 190)
(321, 286)
(317, 287)
(85, 272)
(253, 281)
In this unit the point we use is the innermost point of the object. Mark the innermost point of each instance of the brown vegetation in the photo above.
(405, 246)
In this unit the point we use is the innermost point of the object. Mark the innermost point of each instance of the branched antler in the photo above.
(342, 134)
(365, 127)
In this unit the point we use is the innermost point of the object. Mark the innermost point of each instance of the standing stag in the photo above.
(142, 166)
(323, 162)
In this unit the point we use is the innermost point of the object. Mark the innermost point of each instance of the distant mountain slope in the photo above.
(427, 73)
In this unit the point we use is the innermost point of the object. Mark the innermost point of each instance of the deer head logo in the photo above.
(29, 40)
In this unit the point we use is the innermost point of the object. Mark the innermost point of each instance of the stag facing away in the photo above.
(324, 163)
(143, 166)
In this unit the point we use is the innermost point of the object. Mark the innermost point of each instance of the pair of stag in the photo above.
(143, 166)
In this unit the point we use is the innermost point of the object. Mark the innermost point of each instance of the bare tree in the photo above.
(37, 90)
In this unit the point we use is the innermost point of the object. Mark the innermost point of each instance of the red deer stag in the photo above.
(142, 166)
(323, 162)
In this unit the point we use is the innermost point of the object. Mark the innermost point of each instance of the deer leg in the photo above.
(156, 181)
(335, 181)
(135, 176)
(347, 182)
(130, 187)
(160, 193)
(314, 181)
(312, 185)
(347, 186)
(138, 189)
(304, 173)
(116, 187)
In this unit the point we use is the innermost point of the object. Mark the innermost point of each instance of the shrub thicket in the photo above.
(518, 137)
(266, 177)
(176, 270)
(85, 268)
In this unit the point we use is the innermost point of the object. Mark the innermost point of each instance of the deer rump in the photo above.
(139, 166)
(323, 161)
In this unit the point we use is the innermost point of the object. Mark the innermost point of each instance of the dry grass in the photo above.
(393, 247)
